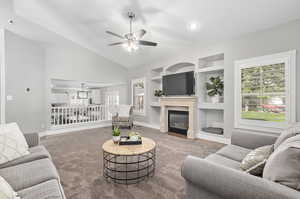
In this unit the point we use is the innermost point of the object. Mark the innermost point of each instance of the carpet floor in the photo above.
(78, 158)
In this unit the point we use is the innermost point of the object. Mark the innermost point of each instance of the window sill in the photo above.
(269, 129)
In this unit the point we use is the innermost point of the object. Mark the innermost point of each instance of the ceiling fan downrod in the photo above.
(131, 16)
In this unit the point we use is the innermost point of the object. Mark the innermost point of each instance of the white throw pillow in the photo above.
(6, 191)
(124, 110)
(12, 143)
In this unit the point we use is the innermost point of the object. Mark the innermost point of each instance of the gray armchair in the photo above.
(123, 117)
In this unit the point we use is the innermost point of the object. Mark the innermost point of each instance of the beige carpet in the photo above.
(78, 158)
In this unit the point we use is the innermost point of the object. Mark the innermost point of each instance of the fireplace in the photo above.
(178, 121)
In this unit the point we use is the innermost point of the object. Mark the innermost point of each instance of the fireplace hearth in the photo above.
(178, 121)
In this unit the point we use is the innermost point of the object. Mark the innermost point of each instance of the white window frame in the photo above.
(134, 81)
(289, 59)
(109, 102)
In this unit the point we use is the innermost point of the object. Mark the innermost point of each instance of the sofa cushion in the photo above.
(45, 190)
(234, 152)
(124, 110)
(290, 132)
(123, 119)
(221, 160)
(283, 166)
(6, 191)
(29, 174)
(36, 153)
(12, 143)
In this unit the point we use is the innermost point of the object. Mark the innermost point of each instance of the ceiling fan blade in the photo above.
(139, 34)
(147, 43)
(115, 34)
(114, 44)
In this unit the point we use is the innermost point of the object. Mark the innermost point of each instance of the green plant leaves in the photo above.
(215, 86)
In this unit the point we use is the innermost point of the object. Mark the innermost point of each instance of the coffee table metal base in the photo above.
(128, 169)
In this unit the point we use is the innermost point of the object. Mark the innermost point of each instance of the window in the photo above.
(265, 92)
(111, 102)
(112, 98)
(138, 87)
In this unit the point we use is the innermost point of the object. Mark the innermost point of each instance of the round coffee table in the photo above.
(128, 164)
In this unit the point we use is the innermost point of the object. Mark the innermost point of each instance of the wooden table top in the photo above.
(116, 149)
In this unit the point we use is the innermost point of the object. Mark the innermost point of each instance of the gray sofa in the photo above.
(33, 176)
(219, 176)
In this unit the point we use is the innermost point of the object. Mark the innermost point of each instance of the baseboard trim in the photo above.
(214, 138)
(147, 125)
(74, 128)
(199, 135)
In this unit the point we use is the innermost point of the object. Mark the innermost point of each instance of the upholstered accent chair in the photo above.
(123, 116)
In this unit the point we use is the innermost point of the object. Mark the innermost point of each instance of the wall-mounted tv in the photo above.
(179, 84)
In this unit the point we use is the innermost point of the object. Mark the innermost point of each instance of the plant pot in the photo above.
(116, 139)
(215, 99)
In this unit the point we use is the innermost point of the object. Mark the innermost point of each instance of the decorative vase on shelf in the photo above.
(215, 99)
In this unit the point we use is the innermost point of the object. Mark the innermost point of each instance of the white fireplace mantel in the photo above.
(188, 102)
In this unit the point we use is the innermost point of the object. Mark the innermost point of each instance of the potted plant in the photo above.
(158, 93)
(215, 88)
(116, 134)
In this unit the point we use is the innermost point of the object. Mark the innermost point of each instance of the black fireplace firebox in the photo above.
(178, 121)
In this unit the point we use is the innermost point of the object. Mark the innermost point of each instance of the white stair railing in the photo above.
(71, 115)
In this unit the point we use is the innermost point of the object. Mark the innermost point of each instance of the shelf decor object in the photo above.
(158, 93)
(215, 88)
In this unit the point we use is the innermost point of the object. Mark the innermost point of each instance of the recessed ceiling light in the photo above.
(193, 26)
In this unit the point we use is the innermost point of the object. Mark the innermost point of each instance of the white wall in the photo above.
(2, 76)
(275, 40)
(25, 68)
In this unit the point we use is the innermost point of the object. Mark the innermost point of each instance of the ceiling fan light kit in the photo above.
(132, 39)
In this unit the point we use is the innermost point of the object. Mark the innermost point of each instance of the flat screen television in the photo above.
(179, 84)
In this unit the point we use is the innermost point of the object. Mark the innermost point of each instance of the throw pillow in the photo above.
(283, 165)
(254, 161)
(257, 169)
(6, 192)
(289, 132)
(12, 143)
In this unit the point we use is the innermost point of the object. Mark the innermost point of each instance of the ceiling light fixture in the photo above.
(131, 45)
(193, 26)
(132, 40)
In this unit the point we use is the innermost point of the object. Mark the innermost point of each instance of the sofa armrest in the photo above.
(251, 140)
(228, 183)
(32, 139)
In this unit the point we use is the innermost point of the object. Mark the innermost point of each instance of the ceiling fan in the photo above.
(132, 40)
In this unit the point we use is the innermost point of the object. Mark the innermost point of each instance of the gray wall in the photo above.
(32, 64)
(72, 62)
(25, 68)
(281, 38)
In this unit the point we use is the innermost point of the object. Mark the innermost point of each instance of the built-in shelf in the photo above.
(210, 114)
(155, 104)
(156, 78)
(214, 106)
(210, 69)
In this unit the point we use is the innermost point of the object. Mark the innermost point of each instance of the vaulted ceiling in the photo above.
(85, 22)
